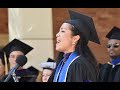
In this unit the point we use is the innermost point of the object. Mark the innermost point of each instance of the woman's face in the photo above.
(13, 56)
(2, 68)
(113, 48)
(65, 40)
(46, 75)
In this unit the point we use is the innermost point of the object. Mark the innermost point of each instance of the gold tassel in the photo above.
(6, 64)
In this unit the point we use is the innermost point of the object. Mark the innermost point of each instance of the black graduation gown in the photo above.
(80, 70)
(24, 76)
(108, 73)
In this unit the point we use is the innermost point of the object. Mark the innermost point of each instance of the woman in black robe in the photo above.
(110, 71)
(75, 62)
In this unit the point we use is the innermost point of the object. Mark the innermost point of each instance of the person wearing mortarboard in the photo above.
(3, 65)
(110, 71)
(14, 49)
(47, 70)
(75, 62)
(34, 73)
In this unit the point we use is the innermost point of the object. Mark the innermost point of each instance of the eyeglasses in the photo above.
(116, 45)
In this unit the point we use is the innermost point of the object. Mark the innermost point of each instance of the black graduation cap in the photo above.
(33, 70)
(114, 33)
(84, 24)
(50, 64)
(16, 45)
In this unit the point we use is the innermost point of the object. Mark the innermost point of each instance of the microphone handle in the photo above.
(11, 72)
(9, 76)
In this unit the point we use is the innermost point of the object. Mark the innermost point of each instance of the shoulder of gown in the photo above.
(81, 70)
(107, 73)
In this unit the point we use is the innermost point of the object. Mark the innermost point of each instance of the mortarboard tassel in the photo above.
(6, 66)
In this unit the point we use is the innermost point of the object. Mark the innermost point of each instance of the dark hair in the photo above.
(82, 48)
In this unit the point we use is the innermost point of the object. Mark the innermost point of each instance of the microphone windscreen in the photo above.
(21, 60)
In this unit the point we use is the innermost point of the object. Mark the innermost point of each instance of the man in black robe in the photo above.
(110, 71)
(13, 50)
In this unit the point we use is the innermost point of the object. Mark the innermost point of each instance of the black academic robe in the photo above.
(80, 70)
(24, 75)
(109, 73)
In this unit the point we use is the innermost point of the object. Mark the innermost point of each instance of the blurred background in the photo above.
(38, 27)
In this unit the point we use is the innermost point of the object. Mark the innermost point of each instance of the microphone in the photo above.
(20, 61)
